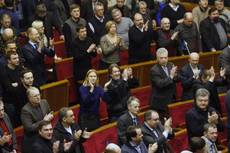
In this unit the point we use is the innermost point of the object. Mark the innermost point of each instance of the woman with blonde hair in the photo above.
(90, 96)
(111, 44)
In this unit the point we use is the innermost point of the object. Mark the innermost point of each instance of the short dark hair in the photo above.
(196, 143)
(81, 26)
(41, 124)
(212, 9)
(9, 3)
(9, 54)
(131, 132)
(110, 69)
(148, 114)
(73, 6)
(24, 71)
(62, 113)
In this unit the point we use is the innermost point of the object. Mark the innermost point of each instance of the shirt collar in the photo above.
(175, 8)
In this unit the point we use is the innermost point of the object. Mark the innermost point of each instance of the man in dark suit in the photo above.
(67, 130)
(163, 78)
(35, 111)
(153, 131)
(43, 143)
(224, 62)
(34, 53)
(190, 73)
(7, 136)
(127, 119)
(213, 32)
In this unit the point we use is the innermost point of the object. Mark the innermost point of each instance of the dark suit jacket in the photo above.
(30, 121)
(149, 137)
(35, 61)
(11, 131)
(122, 124)
(42, 145)
(163, 87)
(187, 80)
(209, 34)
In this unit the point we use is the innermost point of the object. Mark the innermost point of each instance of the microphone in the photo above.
(186, 45)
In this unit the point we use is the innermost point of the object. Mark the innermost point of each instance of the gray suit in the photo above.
(31, 117)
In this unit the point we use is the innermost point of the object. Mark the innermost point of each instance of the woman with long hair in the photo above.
(90, 95)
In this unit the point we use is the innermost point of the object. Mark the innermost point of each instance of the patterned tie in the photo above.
(135, 121)
(166, 70)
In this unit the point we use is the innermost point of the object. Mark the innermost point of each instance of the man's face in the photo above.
(188, 21)
(116, 74)
(46, 132)
(143, 9)
(202, 102)
(82, 34)
(138, 21)
(75, 13)
(194, 60)
(165, 25)
(120, 3)
(34, 36)
(155, 120)
(14, 60)
(139, 136)
(99, 11)
(69, 118)
(134, 107)
(203, 3)
(214, 15)
(34, 97)
(219, 5)
(162, 59)
(1, 111)
(117, 17)
(212, 134)
(11, 47)
(28, 79)
(6, 22)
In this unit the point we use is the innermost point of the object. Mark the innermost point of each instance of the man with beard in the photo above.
(213, 32)
(188, 35)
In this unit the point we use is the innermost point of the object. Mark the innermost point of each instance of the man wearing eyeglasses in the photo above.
(153, 131)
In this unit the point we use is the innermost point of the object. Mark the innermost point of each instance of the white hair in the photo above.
(161, 51)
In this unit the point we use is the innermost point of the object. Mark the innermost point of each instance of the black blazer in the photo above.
(35, 61)
(163, 87)
(187, 80)
(149, 137)
(122, 124)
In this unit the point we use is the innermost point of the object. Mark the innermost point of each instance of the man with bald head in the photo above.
(34, 53)
(112, 148)
(140, 38)
(188, 35)
(190, 73)
(166, 39)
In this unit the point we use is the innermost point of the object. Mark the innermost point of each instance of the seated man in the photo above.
(153, 131)
(127, 119)
(201, 114)
(35, 111)
(112, 148)
(189, 73)
(43, 143)
(67, 130)
(135, 143)
(197, 145)
(210, 137)
(8, 139)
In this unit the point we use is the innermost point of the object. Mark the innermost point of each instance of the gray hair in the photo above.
(37, 24)
(142, 3)
(132, 99)
(202, 92)
(111, 148)
(30, 90)
(161, 51)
